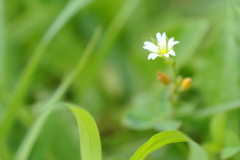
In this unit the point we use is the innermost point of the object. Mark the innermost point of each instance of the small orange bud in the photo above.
(186, 83)
(163, 78)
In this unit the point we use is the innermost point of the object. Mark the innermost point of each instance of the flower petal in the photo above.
(163, 40)
(166, 55)
(158, 35)
(153, 56)
(147, 43)
(172, 52)
(171, 43)
(150, 48)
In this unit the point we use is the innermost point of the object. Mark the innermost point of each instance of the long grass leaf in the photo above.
(220, 108)
(110, 36)
(2, 40)
(168, 137)
(25, 80)
(90, 145)
(2, 49)
(78, 69)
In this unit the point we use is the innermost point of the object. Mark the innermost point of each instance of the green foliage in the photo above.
(216, 109)
(218, 128)
(151, 112)
(88, 133)
(161, 139)
(55, 50)
(232, 145)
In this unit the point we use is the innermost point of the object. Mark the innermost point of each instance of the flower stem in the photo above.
(175, 74)
(174, 89)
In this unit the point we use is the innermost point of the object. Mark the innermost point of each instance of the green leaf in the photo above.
(229, 152)
(151, 111)
(231, 139)
(168, 137)
(216, 109)
(90, 145)
(232, 143)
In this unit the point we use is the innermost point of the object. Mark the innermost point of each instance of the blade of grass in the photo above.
(224, 107)
(2, 52)
(231, 65)
(25, 80)
(109, 37)
(90, 145)
(32, 137)
(2, 42)
(164, 138)
(78, 69)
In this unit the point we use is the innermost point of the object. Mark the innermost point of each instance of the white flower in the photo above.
(164, 47)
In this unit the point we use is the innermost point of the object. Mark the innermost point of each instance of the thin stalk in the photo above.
(174, 89)
(175, 74)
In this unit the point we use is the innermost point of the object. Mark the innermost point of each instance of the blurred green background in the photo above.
(208, 31)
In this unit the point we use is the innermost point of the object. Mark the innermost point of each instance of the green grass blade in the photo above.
(77, 70)
(209, 111)
(2, 48)
(69, 11)
(28, 142)
(24, 83)
(229, 152)
(164, 138)
(110, 36)
(2, 41)
(90, 145)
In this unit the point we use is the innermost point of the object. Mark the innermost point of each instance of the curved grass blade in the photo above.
(90, 145)
(164, 138)
(25, 80)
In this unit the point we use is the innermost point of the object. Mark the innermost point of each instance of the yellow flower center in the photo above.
(163, 51)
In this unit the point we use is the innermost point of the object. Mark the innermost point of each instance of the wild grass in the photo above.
(85, 57)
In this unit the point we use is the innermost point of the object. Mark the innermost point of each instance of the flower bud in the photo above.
(163, 78)
(186, 84)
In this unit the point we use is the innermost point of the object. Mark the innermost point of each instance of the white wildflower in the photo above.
(164, 47)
